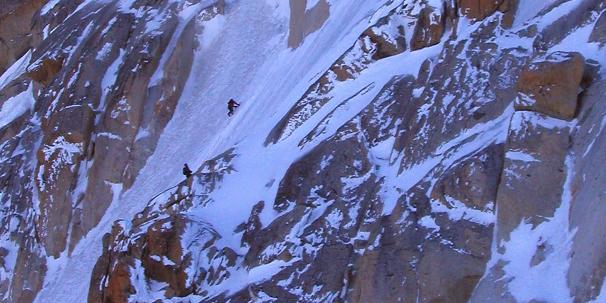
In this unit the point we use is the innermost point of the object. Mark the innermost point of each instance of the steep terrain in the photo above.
(384, 151)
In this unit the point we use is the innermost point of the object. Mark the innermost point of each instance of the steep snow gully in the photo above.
(243, 56)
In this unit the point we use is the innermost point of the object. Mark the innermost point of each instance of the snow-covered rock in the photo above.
(383, 151)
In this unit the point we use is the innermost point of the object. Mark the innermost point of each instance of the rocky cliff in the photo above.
(384, 151)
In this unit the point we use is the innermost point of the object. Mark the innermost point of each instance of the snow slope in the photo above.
(252, 65)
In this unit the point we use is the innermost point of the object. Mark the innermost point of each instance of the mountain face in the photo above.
(384, 151)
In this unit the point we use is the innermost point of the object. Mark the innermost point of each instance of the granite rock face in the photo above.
(551, 85)
(20, 30)
(384, 151)
(479, 9)
(95, 90)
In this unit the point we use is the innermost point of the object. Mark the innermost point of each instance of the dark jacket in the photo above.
(186, 171)
(232, 103)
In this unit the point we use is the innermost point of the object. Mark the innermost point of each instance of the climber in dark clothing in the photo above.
(186, 171)
(231, 106)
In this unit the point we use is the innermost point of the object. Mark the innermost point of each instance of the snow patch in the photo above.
(520, 156)
(16, 106)
(429, 223)
(457, 211)
(15, 70)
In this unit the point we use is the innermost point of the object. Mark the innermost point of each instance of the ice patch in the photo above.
(16, 106)
(520, 156)
(15, 70)
(459, 211)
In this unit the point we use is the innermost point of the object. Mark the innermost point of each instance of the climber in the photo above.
(231, 106)
(186, 171)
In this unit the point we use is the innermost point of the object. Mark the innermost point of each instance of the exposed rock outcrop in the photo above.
(539, 184)
(104, 85)
(534, 173)
(45, 70)
(429, 28)
(387, 38)
(480, 9)
(18, 33)
(178, 252)
(305, 20)
(357, 240)
(551, 85)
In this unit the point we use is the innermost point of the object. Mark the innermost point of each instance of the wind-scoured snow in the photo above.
(15, 70)
(250, 62)
(578, 41)
(528, 9)
(16, 106)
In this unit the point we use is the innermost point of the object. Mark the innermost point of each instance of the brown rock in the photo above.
(386, 44)
(539, 145)
(551, 85)
(446, 275)
(533, 173)
(58, 158)
(304, 22)
(162, 255)
(119, 287)
(480, 9)
(429, 28)
(159, 253)
(492, 287)
(17, 31)
(473, 182)
(30, 270)
(45, 70)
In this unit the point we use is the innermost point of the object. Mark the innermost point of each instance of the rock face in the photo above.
(480, 9)
(19, 33)
(305, 20)
(587, 252)
(46, 70)
(429, 28)
(550, 86)
(165, 245)
(384, 151)
(102, 98)
(389, 36)
(534, 166)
